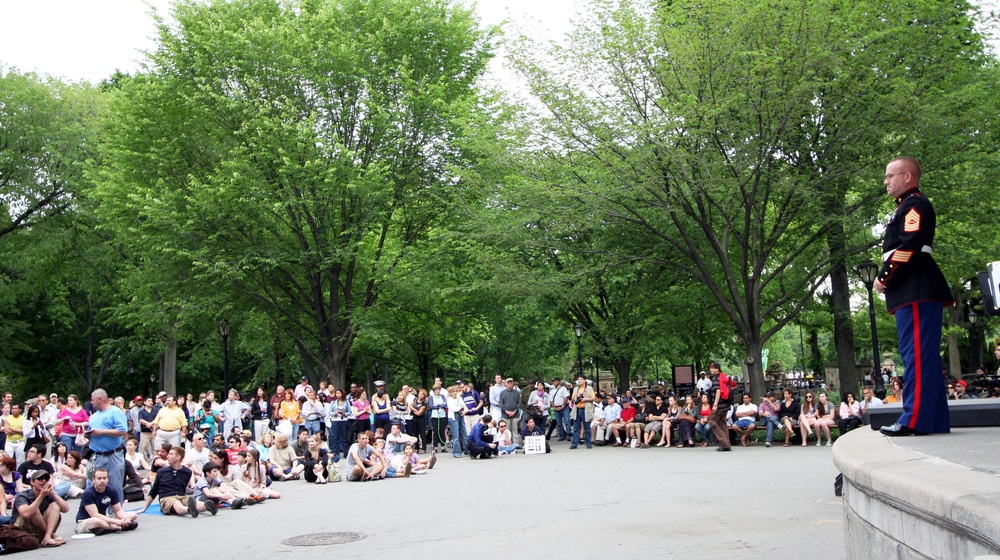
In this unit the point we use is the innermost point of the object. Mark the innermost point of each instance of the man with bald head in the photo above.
(106, 429)
(916, 293)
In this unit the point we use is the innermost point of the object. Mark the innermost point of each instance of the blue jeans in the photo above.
(70, 443)
(457, 426)
(314, 426)
(703, 430)
(509, 449)
(114, 464)
(771, 422)
(581, 420)
(338, 438)
(562, 419)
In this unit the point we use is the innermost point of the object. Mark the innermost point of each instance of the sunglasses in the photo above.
(44, 478)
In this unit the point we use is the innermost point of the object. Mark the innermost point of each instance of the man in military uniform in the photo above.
(916, 292)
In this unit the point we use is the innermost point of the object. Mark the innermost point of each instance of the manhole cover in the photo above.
(321, 539)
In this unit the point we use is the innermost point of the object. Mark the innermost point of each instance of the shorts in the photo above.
(82, 527)
(25, 524)
(354, 477)
(744, 423)
(654, 426)
(167, 504)
(795, 421)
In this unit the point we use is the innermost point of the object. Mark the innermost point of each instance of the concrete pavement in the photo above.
(583, 503)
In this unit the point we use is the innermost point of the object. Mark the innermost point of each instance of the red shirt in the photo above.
(628, 414)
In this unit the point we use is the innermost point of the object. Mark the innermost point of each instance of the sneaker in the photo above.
(237, 503)
(819, 443)
(502, 452)
(192, 506)
(829, 442)
(102, 531)
(767, 444)
(211, 507)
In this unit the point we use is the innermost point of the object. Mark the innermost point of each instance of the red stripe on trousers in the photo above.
(917, 361)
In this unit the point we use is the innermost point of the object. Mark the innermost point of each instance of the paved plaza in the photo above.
(583, 503)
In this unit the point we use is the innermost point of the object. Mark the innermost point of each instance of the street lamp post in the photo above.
(224, 331)
(868, 273)
(578, 329)
(975, 342)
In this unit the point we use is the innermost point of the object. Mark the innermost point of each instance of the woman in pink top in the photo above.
(73, 419)
(362, 413)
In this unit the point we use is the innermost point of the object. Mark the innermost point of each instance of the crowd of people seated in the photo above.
(194, 455)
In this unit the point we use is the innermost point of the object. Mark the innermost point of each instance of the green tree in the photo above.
(292, 152)
(708, 128)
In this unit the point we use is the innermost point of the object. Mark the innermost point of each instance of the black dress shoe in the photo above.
(898, 429)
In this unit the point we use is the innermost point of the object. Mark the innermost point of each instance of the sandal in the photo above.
(785, 444)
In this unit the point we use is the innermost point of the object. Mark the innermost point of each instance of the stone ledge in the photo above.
(903, 503)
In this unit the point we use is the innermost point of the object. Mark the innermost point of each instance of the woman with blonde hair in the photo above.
(284, 464)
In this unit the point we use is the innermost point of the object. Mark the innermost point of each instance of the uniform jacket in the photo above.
(909, 272)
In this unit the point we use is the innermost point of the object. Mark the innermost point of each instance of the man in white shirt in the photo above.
(496, 388)
(197, 455)
(610, 414)
(704, 384)
(746, 419)
(233, 411)
(300, 389)
(868, 400)
(558, 399)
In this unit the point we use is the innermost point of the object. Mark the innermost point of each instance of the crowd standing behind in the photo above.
(191, 455)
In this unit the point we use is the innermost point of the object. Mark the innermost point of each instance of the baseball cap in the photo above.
(161, 394)
(39, 474)
(137, 398)
(380, 383)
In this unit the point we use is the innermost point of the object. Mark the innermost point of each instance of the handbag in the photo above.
(14, 539)
(81, 440)
(640, 418)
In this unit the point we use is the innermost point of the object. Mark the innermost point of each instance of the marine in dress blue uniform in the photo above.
(916, 293)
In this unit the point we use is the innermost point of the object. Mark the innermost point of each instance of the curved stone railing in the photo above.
(903, 504)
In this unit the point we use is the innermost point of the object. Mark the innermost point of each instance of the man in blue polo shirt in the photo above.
(107, 428)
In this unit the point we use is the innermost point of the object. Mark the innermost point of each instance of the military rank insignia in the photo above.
(911, 222)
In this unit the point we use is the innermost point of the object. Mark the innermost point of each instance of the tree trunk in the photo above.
(843, 330)
(622, 368)
(170, 367)
(754, 367)
(815, 355)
